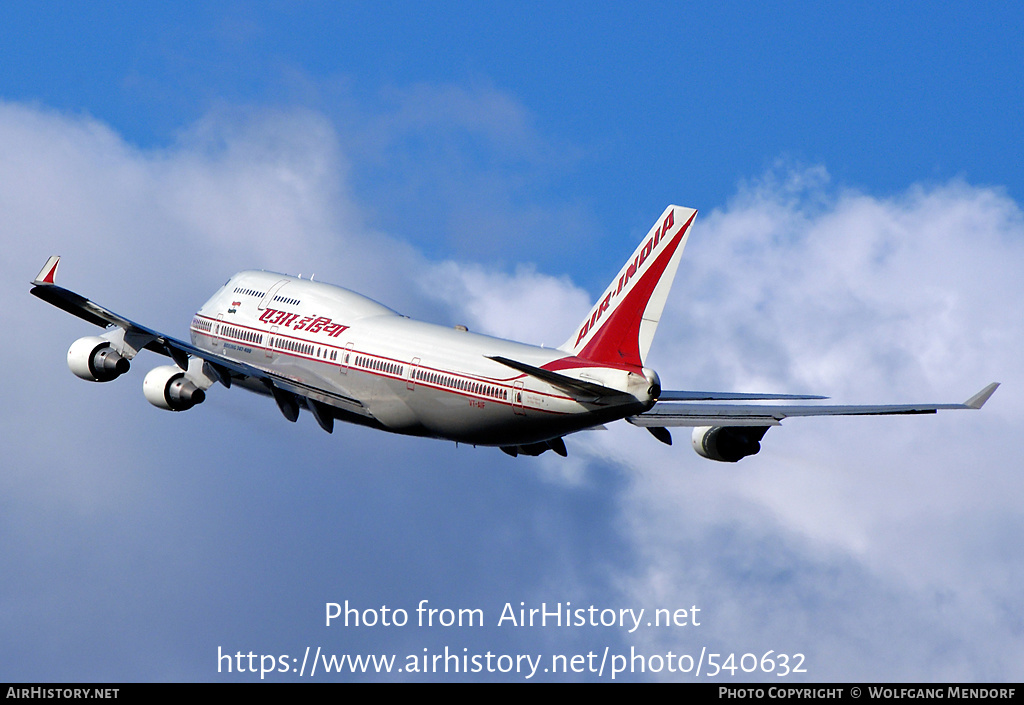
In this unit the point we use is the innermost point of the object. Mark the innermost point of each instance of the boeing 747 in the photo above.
(342, 356)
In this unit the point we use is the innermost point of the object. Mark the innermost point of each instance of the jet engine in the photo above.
(93, 359)
(167, 387)
(728, 444)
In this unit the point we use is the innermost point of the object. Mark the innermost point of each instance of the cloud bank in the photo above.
(139, 541)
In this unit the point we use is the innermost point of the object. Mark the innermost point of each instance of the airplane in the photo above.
(342, 356)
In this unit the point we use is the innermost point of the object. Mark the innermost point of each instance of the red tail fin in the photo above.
(621, 325)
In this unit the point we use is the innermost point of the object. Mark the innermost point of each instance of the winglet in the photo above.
(48, 272)
(979, 399)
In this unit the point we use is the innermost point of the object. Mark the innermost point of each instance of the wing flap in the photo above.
(663, 420)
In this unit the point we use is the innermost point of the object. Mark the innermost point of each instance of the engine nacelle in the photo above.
(167, 387)
(728, 444)
(93, 359)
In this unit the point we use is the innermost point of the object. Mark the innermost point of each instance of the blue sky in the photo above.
(652, 97)
(857, 174)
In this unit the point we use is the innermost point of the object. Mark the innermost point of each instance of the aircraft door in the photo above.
(271, 341)
(270, 294)
(410, 381)
(215, 340)
(517, 398)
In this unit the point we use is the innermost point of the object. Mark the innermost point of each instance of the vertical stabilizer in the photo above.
(621, 325)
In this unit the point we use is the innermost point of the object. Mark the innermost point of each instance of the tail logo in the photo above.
(624, 278)
(621, 325)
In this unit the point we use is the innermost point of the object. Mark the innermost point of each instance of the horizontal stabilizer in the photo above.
(577, 388)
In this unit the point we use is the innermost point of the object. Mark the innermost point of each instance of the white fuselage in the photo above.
(408, 376)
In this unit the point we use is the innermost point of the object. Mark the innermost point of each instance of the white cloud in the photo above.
(908, 298)
(879, 547)
(526, 305)
(797, 286)
(119, 515)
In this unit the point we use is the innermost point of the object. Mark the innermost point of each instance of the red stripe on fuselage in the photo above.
(500, 383)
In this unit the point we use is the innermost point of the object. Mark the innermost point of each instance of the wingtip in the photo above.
(48, 273)
(979, 399)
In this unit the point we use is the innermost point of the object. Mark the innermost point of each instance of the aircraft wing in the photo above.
(218, 367)
(665, 414)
